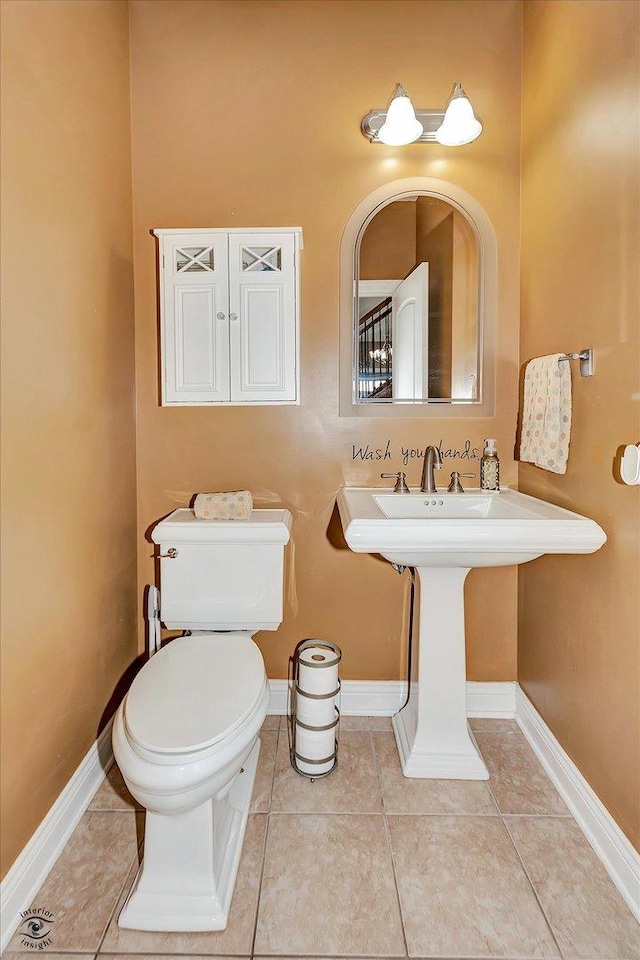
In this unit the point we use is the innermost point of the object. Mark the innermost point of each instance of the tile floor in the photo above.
(366, 864)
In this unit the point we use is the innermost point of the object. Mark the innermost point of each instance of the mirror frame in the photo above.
(487, 302)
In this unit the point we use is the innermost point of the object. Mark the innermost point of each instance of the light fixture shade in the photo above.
(401, 126)
(459, 125)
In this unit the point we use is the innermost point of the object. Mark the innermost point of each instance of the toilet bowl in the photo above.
(186, 735)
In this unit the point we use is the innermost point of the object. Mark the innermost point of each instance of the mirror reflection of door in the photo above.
(415, 231)
(410, 339)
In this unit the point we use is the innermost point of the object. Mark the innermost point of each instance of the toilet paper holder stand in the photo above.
(295, 691)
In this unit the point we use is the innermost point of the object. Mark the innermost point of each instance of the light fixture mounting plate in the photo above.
(430, 120)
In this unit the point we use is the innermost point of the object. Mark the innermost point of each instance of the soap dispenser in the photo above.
(490, 466)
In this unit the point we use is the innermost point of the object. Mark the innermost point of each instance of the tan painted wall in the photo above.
(464, 307)
(579, 641)
(68, 509)
(240, 119)
(435, 246)
(388, 245)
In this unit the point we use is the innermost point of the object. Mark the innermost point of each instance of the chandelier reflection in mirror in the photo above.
(401, 124)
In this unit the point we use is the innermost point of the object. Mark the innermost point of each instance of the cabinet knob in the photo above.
(233, 316)
(220, 316)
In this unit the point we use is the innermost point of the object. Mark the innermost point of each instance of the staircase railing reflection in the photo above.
(375, 352)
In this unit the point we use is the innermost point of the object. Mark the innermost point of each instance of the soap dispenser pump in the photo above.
(490, 466)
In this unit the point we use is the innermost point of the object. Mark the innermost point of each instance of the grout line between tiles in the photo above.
(51, 953)
(539, 816)
(535, 892)
(264, 844)
(275, 767)
(503, 817)
(387, 834)
(382, 813)
(503, 814)
(488, 783)
(117, 900)
(326, 813)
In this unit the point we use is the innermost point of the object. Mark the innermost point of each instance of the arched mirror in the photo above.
(420, 318)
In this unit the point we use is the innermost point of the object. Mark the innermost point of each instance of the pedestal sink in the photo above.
(444, 535)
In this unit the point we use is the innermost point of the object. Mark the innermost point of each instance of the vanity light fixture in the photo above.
(400, 124)
(460, 124)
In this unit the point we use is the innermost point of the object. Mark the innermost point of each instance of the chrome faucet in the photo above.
(432, 461)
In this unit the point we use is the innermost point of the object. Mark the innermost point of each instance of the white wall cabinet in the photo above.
(229, 311)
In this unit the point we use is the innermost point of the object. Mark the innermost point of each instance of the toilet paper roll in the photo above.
(315, 713)
(318, 670)
(314, 745)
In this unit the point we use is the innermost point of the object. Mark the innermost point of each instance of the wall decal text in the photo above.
(371, 453)
(367, 452)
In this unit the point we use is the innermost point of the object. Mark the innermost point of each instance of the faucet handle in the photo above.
(400, 479)
(455, 486)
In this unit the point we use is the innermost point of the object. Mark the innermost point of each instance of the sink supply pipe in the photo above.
(412, 580)
(314, 715)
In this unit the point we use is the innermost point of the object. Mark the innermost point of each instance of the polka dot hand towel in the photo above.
(233, 505)
(546, 414)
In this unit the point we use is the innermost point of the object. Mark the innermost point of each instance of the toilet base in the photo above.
(187, 878)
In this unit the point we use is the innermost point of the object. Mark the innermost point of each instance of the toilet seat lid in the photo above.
(194, 692)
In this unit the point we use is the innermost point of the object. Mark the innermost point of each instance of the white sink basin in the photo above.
(444, 535)
(472, 505)
(472, 529)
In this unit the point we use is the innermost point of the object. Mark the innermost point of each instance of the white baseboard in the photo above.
(494, 699)
(619, 858)
(29, 871)
(383, 698)
(374, 698)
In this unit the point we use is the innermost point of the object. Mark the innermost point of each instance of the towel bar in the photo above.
(586, 361)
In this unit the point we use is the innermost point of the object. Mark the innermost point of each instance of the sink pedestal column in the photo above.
(431, 731)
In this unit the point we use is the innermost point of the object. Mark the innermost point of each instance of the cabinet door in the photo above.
(262, 310)
(195, 319)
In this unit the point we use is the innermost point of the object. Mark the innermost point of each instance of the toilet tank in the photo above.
(224, 574)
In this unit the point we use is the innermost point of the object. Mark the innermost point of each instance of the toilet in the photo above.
(186, 734)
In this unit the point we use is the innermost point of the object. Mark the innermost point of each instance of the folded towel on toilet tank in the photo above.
(229, 505)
